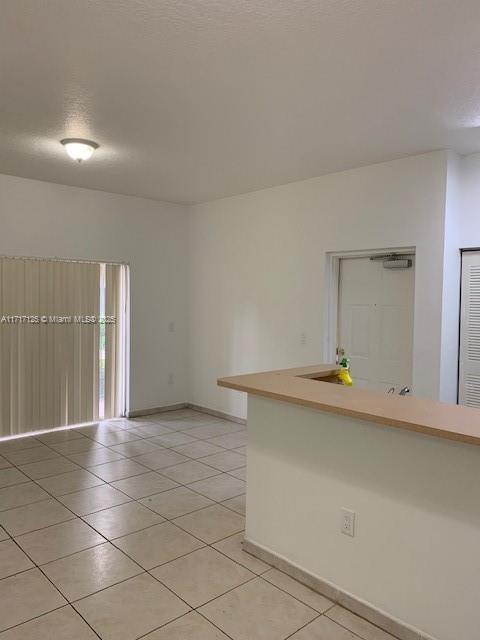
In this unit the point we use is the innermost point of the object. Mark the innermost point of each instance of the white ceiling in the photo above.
(192, 100)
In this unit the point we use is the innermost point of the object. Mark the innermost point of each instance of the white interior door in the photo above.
(469, 370)
(375, 322)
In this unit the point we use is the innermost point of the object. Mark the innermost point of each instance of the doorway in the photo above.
(374, 312)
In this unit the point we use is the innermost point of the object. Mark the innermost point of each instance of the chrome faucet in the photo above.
(403, 392)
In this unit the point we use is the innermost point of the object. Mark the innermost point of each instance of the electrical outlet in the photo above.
(348, 522)
(170, 378)
(171, 326)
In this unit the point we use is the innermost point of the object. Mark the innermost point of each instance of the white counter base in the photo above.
(415, 557)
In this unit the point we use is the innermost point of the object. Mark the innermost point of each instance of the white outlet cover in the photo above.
(347, 526)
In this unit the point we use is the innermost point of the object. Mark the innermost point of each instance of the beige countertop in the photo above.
(303, 386)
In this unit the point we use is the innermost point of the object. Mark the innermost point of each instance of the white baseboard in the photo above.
(138, 413)
(347, 600)
(217, 414)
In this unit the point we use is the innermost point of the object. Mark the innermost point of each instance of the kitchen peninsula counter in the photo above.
(311, 387)
(402, 467)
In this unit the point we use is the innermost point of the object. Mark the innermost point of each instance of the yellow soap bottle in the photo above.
(344, 373)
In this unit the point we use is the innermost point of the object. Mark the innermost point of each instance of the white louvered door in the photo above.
(469, 374)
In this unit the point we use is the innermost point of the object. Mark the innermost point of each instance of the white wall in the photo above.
(462, 231)
(256, 267)
(415, 551)
(469, 216)
(43, 219)
(257, 264)
(451, 281)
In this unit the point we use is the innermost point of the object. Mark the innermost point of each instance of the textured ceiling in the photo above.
(192, 100)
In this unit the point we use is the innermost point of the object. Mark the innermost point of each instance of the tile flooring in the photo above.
(132, 529)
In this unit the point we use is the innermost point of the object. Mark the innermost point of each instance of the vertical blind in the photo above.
(115, 340)
(50, 343)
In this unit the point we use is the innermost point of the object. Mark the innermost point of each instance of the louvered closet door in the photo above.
(469, 379)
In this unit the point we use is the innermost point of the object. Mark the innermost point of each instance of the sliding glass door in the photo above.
(62, 343)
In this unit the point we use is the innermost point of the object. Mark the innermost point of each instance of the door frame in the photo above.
(462, 254)
(332, 287)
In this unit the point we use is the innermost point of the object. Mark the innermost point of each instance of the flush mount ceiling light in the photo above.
(79, 149)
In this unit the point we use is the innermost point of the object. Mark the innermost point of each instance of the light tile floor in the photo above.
(132, 529)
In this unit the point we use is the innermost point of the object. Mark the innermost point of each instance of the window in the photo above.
(63, 343)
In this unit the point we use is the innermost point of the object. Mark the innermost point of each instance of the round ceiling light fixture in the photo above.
(79, 149)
